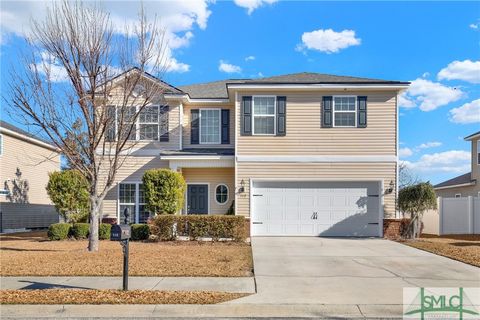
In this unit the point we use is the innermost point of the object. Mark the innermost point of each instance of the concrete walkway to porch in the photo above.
(233, 284)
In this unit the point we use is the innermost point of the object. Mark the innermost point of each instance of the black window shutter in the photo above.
(281, 116)
(194, 126)
(362, 112)
(164, 136)
(327, 112)
(246, 116)
(111, 122)
(225, 126)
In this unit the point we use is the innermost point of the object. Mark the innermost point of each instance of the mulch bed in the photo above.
(464, 248)
(32, 254)
(74, 296)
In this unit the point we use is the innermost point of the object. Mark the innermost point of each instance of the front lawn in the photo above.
(465, 248)
(73, 296)
(32, 254)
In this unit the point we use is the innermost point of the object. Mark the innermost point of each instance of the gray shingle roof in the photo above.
(464, 178)
(11, 127)
(218, 89)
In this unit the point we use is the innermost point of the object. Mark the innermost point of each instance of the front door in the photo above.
(197, 199)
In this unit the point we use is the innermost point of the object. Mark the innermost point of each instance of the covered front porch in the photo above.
(210, 178)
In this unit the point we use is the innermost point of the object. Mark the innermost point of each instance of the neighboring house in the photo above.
(467, 184)
(300, 154)
(25, 161)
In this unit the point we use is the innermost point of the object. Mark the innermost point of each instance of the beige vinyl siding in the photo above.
(464, 191)
(34, 164)
(315, 171)
(131, 171)
(305, 136)
(187, 118)
(214, 177)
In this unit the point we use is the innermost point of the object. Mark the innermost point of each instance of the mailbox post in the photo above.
(122, 233)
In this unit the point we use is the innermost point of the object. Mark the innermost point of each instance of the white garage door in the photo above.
(333, 209)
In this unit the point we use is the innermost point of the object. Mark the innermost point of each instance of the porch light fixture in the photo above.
(242, 187)
(390, 187)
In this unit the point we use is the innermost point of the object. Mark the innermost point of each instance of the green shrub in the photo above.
(80, 230)
(68, 191)
(196, 226)
(140, 231)
(164, 190)
(104, 231)
(59, 231)
(162, 227)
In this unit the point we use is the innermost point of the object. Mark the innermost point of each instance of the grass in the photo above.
(74, 296)
(464, 248)
(32, 254)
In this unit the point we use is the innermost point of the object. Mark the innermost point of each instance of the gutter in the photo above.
(29, 139)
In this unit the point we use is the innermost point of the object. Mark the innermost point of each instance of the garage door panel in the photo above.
(316, 208)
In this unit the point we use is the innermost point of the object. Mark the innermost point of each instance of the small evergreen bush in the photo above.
(59, 231)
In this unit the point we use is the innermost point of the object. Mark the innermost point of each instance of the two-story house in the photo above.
(25, 162)
(299, 154)
(467, 184)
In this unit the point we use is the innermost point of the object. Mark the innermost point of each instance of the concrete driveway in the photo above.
(361, 273)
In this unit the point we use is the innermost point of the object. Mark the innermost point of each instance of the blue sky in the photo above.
(436, 45)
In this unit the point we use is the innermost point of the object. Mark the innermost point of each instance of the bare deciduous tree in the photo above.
(79, 41)
(406, 177)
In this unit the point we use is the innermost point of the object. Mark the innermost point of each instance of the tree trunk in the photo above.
(95, 205)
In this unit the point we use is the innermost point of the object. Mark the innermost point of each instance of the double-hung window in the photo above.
(344, 111)
(148, 122)
(125, 118)
(210, 126)
(263, 115)
(478, 152)
(131, 196)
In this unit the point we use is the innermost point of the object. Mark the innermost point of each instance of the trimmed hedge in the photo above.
(196, 226)
(80, 230)
(104, 231)
(140, 231)
(59, 231)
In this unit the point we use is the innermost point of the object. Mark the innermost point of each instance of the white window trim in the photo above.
(137, 200)
(1, 144)
(149, 123)
(274, 115)
(478, 152)
(344, 111)
(228, 194)
(219, 126)
(458, 195)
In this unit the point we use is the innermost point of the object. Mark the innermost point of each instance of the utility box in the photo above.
(120, 232)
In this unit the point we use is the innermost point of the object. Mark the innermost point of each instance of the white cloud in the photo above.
(405, 152)
(428, 95)
(468, 113)
(251, 5)
(51, 68)
(425, 74)
(228, 68)
(467, 70)
(249, 58)
(429, 145)
(453, 161)
(179, 19)
(328, 41)
(474, 26)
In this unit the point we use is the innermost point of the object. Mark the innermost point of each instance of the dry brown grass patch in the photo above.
(465, 248)
(34, 255)
(74, 296)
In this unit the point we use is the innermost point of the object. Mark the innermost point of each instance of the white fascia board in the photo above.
(206, 157)
(29, 139)
(318, 86)
(470, 138)
(456, 185)
(186, 99)
(313, 158)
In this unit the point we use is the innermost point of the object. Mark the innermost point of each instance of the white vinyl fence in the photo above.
(454, 216)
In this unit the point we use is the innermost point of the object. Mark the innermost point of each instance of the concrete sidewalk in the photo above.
(223, 311)
(235, 285)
